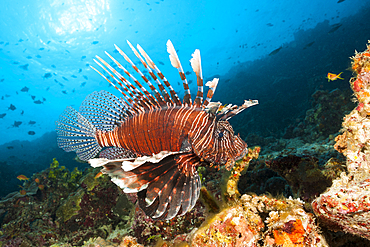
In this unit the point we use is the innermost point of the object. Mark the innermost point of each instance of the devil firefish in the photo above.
(151, 143)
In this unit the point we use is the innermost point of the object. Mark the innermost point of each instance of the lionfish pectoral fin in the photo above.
(167, 183)
(185, 145)
(175, 191)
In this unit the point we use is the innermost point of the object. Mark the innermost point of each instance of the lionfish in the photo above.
(152, 143)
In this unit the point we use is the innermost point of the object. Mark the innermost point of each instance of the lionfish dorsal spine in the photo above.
(195, 62)
(238, 109)
(136, 96)
(152, 65)
(157, 95)
(212, 88)
(175, 62)
(144, 100)
(152, 100)
(165, 95)
(138, 99)
(148, 64)
(129, 100)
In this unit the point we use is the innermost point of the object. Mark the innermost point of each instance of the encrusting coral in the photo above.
(346, 205)
(232, 193)
(252, 220)
(261, 221)
(306, 178)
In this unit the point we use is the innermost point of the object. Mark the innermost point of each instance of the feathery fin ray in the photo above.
(154, 90)
(197, 68)
(152, 65)
(165, 182)
(175, 61)
(138, 98)
(160, 85)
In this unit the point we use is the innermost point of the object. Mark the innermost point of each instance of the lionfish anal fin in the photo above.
(167, 183)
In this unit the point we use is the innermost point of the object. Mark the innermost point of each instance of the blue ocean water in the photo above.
(276, 52)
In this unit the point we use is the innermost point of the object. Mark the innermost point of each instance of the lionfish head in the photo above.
(223, 146)
(227, 146)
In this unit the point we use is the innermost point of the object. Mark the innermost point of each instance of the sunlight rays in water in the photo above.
(66, 17)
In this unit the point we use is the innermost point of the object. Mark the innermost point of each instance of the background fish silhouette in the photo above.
(152, 143)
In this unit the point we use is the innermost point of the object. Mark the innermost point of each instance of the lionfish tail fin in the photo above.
(167, 183)
(76, 133)
(175, 61)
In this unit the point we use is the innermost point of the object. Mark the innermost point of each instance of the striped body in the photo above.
(157, 129)
(176, 128)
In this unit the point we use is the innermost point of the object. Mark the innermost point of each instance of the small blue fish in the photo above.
(12, 107)
(25, 89)
(47, 75)
(17, 123)
(24, 67)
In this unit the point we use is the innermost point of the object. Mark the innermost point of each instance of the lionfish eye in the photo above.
(220, 134)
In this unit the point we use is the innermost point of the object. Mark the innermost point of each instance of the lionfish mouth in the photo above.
(242, 154)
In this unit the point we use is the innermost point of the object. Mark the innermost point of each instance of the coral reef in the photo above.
(260, 221)
(261, 180)
(346, 205)
(125, 242)
(148, 231)
(324, 118)
(232, 194)
(64, 208)
(252, 220)
(305, 176)
(59, 207)
(289, 172)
